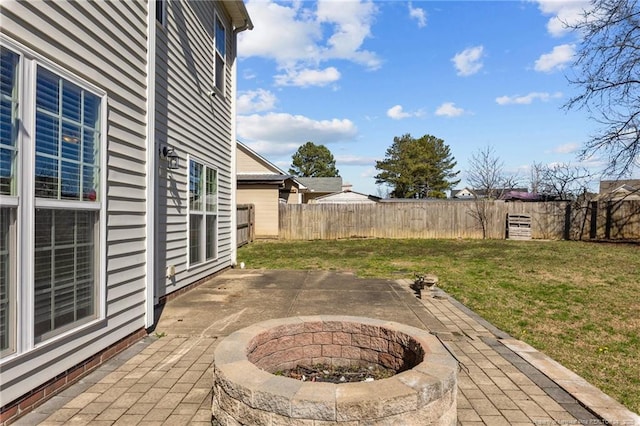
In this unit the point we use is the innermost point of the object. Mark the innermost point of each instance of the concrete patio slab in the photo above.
(166, 379)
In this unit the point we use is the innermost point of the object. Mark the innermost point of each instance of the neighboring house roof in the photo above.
(258, 169)
(619, 190)
(321, 184)
(607, 186)
(249, 178)
(522, 196)
(347, 197)
(413, 200)
(462, 193)
(481, 193)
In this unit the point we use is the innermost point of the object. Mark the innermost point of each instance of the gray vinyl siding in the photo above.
(197, 126)
(103, 43)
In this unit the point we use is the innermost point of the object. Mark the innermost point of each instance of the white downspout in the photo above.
(234, 184)
(234, 178)
(151, 167)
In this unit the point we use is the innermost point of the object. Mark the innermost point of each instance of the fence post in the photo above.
(566, 235)
(252, 222)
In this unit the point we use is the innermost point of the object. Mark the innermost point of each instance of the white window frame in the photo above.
(11, 202)
(11, 246)
(204, 214)
(26, 203)
(217, 54)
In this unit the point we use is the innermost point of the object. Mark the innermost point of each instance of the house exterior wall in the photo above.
(102, 45)
(103, 49)
(199, 127)
(264, 197)
(248, 164)
(291, 193)
(265, 200)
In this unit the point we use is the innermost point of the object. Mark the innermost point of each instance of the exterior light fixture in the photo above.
(169, 154)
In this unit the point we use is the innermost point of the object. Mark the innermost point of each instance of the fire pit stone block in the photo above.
(248, 391)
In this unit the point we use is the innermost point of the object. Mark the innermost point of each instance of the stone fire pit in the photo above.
(248, 390)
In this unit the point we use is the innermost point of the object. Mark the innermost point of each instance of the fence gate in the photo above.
(245, 232)
(518, 227)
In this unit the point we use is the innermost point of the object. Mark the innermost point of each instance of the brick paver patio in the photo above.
(168, 380)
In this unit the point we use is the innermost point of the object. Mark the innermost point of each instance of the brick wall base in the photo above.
(27, 402)
(12, 411)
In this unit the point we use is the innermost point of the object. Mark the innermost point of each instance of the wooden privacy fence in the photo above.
(245, 215)
(458, 219)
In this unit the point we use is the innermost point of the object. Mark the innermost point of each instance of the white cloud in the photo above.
(448, 109)
(396, 112)
(469, 61)
(300, 35)
(419, 15)
(255, 101)
(564, 12)
(284, 165)
(557, 59)
(268, 39)
(270, 148)
(567, 148)
(369, 172)
(351, 22)
(248, 74)
(527, 99)
(354, 160)
(280, 129)
(308, 77)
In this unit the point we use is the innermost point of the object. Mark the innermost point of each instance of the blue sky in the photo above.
(352, 75)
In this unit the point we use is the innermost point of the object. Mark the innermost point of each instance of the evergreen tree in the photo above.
(311, 160)
(418, 168)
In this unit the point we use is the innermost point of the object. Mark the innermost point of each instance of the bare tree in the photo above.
(569, 183)
(488, 180)
(535, 177)
(564, 181)
(607, 68)
(486, 172)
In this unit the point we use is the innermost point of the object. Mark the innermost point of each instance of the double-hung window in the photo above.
(67, 183)
(203, 212)
(50, 223)
(219, 54)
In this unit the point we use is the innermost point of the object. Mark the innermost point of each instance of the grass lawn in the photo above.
(577, 302)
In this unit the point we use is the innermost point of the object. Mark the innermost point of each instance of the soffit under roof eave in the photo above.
(238, 12)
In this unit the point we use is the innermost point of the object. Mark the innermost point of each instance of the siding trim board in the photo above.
(151, 217)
